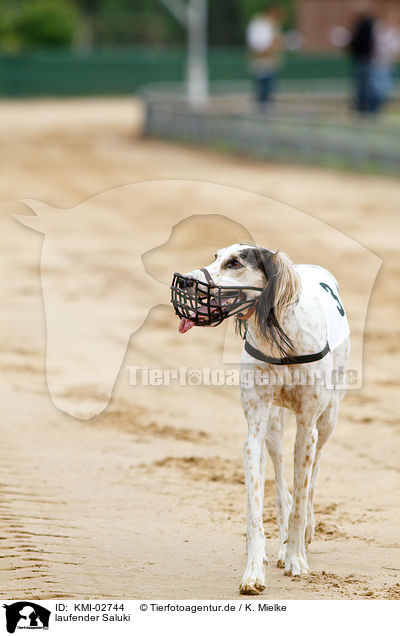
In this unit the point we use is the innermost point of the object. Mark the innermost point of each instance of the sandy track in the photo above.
(141, 501)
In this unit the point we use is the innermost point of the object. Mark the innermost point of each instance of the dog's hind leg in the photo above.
(325, 425)
(274, 441)
(253, 581)
(305, 447)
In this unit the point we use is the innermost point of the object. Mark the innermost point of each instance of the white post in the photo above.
(194, 16)
(197, 66)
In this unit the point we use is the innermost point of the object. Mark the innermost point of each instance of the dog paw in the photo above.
(251, 588)
(295, 565)
(280, 561)
(253, 581)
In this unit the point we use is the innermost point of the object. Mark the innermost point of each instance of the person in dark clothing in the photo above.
(361, 49)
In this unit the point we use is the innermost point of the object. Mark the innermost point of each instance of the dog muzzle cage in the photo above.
(207, 304)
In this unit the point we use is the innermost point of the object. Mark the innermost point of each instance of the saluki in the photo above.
(296, 350)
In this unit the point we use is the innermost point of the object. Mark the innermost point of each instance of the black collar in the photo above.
(310, 357)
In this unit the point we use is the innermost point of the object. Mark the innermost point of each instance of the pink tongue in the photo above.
(184, 325)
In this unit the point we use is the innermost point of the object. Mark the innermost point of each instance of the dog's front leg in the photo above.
(283, 497)
(253, 581)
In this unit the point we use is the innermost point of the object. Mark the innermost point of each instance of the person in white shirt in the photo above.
(265, 44)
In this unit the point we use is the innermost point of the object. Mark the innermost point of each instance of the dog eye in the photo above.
(234, 264)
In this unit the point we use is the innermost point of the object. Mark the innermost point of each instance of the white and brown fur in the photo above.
(274, 329)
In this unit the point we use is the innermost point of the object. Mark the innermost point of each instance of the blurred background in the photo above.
(323, 72)
(105, 47)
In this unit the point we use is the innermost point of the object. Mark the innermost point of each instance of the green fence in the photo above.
(123, 71)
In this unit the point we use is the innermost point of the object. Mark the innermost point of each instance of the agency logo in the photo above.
(26, 615)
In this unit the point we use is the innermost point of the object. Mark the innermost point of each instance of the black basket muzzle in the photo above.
(206, 303)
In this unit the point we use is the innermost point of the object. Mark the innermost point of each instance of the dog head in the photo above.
(245, 265)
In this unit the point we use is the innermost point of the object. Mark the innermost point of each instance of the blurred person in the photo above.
(361, 50)
(265, 43)
(386, 52)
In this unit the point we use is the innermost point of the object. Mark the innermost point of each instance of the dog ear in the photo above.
(281, 290)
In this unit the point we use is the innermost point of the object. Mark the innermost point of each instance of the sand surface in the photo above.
(147, 500)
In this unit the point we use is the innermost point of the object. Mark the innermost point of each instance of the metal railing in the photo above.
(308, 126)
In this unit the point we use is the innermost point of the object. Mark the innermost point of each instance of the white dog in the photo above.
(297, 341)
